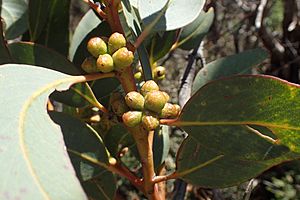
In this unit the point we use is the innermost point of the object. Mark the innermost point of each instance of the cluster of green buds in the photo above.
(107, 57)
(158, 72)
(148, 106)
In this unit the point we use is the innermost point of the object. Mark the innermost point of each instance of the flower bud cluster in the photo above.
(107, 57)
(158, 73)
(148, 106)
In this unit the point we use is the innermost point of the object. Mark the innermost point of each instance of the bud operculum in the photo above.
(122, 58)
(149, 86)
(132, 118)
(135, 100)
(96, 46)
(105, 63)
(155, 101)
(115, 42)
(150, 122)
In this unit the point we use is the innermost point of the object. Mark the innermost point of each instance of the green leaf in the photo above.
(236, 64)
(178, 13)
(34, 54)
(161, 146)
(82, 141)
(201, 164)
(162, 44)
(4, 54)
(38, 16)
(54, 33)
(14, 14)
(101, 187)
(117, 138)
(89, 22)
(248, 100)
(133, 24)
(222, 121)
(192, 34)
(30, 137)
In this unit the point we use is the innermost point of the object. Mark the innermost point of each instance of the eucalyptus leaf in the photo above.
(89, 22)
(192, 34)
(231, 65)
(161, 146)
(4, 54)
(53, 30)
(172, 14)
(31, 144)
(14, 14)
(34, 54)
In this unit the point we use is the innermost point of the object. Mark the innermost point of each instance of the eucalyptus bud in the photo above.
(138, 76)
(155, 101)
(150, 122)
(96, 46)
(105, 63)
(135, 100)
(132, 118)
(149, 86)
(115, 42)
(159, 72)
(166, 96)
(122, 58)
(89, 65)
(169, 111)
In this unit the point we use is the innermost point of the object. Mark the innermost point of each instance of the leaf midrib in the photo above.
(230, 123)
(21, 125)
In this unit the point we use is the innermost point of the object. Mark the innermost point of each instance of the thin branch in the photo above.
(96, 8)
(268, 39)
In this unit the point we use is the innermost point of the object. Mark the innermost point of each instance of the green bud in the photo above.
(166, 96)
(132, 118)
(159, 73)
(149, 86)
(122, 58)
(105, 63)
(135, 100)
(169, 111)
(115, 42)
(150, 122)
(96, 46)
(89, 65)
(155, 101)
(138, 76)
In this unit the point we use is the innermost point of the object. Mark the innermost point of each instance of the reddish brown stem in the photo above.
(125, 172)
(126, 79)
(96, 8)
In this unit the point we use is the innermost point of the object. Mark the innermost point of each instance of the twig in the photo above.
(96, 8)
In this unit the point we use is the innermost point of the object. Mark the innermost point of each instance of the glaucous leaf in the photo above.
(192, 34)
(172, 14)
(161, 146)
(82, 141)
(89, 22)
(34, 54)
(4, 54)
(133, 24)
(231, 65)
(14, 14)
(199, 164)
(221, 120)
(30, 137)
